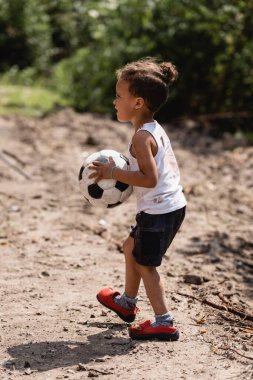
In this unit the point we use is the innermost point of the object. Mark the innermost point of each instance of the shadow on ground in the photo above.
(44, 356)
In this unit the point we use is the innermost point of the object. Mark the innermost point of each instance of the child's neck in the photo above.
(138, 122)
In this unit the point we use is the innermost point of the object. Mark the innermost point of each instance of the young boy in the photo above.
(141, 90)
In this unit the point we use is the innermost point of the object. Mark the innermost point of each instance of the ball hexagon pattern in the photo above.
(106, 193)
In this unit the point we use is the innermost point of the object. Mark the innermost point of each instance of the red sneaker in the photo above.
(146, 331)
(106, 297)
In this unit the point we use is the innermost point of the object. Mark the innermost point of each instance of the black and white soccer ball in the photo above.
(107, 192)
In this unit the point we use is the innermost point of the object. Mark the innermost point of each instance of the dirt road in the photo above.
(56, 253)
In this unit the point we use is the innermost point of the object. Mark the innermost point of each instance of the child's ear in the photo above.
(139, 103)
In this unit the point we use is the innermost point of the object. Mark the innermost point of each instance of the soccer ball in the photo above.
(107, 192)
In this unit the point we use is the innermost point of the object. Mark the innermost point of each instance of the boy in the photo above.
(141, 90)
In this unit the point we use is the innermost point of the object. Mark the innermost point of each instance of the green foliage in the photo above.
(81, 43)
(25, 38)
(31, 101)
(86, 81)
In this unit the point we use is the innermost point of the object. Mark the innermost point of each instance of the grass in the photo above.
(28, 100)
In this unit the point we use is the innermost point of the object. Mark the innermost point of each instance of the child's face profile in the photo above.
(125, 102)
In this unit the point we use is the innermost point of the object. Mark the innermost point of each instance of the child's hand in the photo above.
(101, 170)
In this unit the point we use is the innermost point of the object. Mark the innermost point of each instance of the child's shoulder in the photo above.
(140, 136)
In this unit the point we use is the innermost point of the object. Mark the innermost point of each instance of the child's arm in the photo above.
(144, 147)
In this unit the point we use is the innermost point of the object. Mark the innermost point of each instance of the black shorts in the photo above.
(153, 235)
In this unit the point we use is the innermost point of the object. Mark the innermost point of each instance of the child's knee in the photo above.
(146, 268)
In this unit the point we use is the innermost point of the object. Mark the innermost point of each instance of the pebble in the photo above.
(193, 279)
(45, 273)
(92, 374)
(109, 336)
(99, 360)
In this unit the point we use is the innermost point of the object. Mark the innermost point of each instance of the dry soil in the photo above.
(57, 252)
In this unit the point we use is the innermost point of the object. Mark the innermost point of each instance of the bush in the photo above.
(82, 43)
(210, 44)
(25, 37)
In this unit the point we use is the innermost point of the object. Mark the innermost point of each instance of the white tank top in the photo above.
(167, 195)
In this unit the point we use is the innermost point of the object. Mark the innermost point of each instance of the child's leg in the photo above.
(124, 305)
(154, 288)
(132, 275)
(128, 299)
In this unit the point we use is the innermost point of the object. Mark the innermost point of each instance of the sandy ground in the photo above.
(57, 253)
